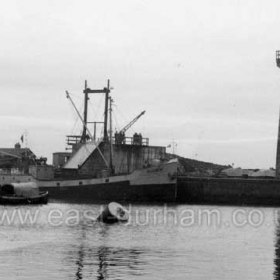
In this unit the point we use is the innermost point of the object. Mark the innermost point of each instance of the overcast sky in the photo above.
(203, 70)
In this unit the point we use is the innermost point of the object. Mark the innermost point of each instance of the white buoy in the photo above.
(113, 213)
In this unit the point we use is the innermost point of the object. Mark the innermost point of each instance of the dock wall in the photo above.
(233, 191)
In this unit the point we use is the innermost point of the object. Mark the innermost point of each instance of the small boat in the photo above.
(113, 213)
(22, 193)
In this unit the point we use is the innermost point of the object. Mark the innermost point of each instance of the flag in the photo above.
(21, 138)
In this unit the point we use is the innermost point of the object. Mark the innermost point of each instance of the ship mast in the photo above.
(89, 133)
(84, 134)
(110, 135)
(88, 91)
(107, 91)
(79, 115)
(108, 99)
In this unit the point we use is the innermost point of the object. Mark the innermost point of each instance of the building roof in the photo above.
(232, 172)
(264, 173)
(239, 172)
(15, 152)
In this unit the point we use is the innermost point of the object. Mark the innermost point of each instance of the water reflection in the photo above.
(277, 249)
(81, 255)
(80, 264)
(106, 261)
(103, 265)
(118, 262)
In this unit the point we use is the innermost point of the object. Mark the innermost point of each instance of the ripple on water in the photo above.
(150, 251)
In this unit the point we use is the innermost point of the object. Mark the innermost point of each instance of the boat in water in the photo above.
(113, 213)
(112, 168)
(22, 193)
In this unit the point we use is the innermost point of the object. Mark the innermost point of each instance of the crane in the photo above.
(129, 125)
(120, 136)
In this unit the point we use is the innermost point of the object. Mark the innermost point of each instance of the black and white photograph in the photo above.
(140, 139)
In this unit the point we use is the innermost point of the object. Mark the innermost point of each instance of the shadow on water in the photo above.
(106, 261)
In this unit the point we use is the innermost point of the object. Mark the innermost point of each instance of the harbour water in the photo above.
(62, 241)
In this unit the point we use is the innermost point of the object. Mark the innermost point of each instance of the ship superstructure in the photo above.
(110, 155)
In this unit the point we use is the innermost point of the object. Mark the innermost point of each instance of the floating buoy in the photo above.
(113, 213)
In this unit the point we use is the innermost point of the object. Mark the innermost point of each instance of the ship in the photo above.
(129, 169)
(110, 168)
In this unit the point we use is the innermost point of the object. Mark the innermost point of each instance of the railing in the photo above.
(132, 141)
(73, 139)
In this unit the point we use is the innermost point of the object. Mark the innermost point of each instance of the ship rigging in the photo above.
(87, 140)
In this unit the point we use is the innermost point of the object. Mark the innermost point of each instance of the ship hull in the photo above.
(153, 184)
(42, 198)
(160, 187)
(117, 191)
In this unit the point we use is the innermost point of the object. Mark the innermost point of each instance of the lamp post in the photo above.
(278, 139)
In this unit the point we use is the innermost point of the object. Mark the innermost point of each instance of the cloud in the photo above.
(227, 141)
(24, 122)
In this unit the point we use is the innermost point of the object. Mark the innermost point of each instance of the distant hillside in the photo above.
(198, 168)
